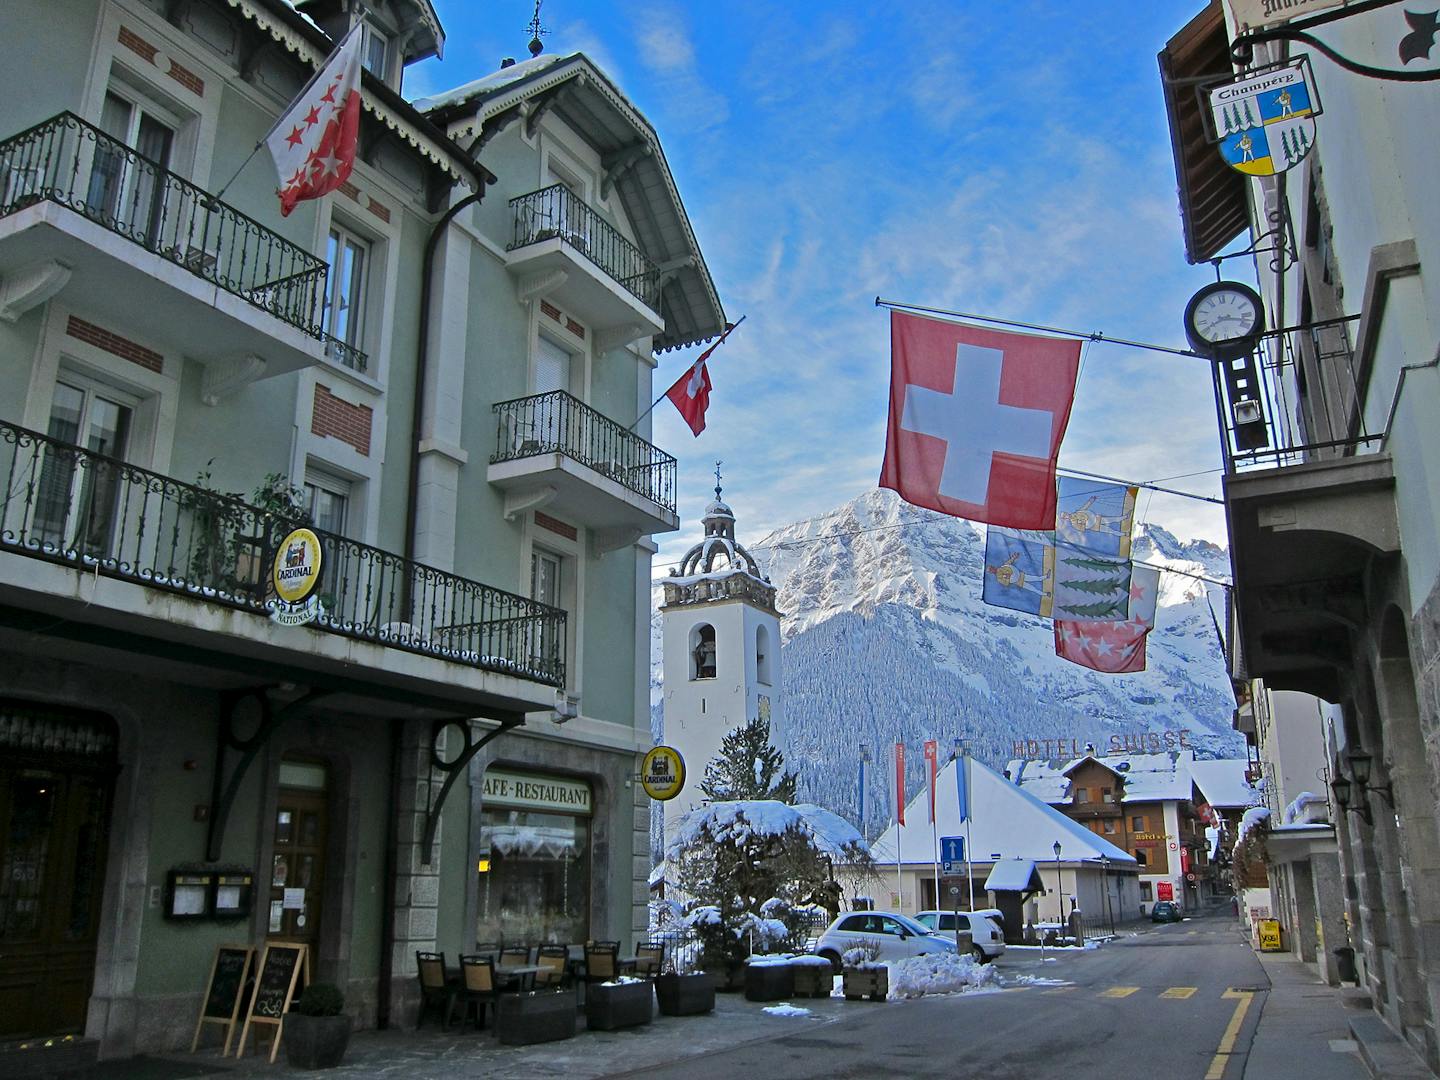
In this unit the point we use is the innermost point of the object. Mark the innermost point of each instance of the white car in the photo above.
(898, 937)
(987, 940)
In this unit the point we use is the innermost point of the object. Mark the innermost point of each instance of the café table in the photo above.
(522, 975)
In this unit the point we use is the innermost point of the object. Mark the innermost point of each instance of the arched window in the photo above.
(702, 652)
(762, 655)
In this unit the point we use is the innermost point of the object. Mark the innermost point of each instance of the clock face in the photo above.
(1225, 315)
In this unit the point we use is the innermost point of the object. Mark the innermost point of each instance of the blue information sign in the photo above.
(952, 854)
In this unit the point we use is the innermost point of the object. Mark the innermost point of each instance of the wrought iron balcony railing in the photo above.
(67, 505)
(557, 211)
(556, 422)
(76, 165)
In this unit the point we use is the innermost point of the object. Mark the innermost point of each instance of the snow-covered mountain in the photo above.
(886, 639)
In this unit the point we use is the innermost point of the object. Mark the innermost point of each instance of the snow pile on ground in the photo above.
(1036, 980)
(786, 1010)
(940, 973)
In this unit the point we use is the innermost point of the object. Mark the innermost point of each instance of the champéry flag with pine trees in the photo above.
(314, 142)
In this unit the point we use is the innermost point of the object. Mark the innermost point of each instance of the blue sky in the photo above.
(1007, 159)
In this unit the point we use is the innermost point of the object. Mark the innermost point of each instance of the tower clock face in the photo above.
(1224, 319)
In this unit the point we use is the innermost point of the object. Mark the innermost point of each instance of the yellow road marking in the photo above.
(1179, 993)
(1060, 989)
(1119, 991)
(1232, 1032)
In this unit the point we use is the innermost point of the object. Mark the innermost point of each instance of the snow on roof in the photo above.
(738, 820)
(1148, 777)
(1007, 822)
(1013, 875)
(1223, 783)
(496, 80)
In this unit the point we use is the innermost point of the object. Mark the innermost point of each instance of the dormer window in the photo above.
(375, 52)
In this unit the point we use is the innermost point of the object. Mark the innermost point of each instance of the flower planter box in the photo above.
(535, 1017)
(769, 982)
(860, 983)
(315, 1042)
(813, 980)
(727, 978)
(685, 995)
(609, 1006)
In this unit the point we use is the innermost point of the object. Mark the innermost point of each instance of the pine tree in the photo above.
(748, 767)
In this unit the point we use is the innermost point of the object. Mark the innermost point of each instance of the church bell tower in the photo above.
(720, 650)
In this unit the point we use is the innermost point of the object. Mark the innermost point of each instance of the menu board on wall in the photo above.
(283, 967)
(224, 993)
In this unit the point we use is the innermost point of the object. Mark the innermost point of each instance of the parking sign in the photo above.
(952, 854)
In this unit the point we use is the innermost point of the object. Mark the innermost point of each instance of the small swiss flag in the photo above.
(691, 392)
(976, 419)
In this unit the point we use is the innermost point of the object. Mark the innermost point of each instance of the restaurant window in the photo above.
(533, 865)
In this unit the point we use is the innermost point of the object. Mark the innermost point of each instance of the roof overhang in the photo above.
(581, 95)
(1214, 207)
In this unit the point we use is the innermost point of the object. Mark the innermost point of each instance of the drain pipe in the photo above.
(422, 365)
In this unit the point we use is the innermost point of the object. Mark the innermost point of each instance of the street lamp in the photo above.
(1059, 892)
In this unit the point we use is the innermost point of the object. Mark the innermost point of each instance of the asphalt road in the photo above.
(1179, 1001)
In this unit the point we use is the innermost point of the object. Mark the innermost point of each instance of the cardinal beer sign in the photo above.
(1264, 123)
(295, 575)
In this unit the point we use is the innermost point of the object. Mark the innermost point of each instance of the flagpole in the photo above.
(969, 866)
(1094, 335)
(712, 348)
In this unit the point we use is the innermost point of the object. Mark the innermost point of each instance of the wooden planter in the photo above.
(315, 1042)
(609, 1006)
(729, 977)
(860, 983)
(813, 980)
(769, 982)
(685, 995)
(535, 1017)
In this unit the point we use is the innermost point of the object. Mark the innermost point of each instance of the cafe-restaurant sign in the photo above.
(526, 791)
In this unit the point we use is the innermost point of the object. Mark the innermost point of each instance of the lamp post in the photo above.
(1059, 892)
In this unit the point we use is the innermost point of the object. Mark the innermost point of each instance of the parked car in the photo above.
(987, 940)
(1166, 911)
(898, 936)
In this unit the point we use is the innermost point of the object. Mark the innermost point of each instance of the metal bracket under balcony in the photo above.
(563, 251)
(148, 252)
(553, 450)
(1301, 536)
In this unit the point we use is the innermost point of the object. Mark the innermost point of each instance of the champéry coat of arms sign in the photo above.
(1264, 123)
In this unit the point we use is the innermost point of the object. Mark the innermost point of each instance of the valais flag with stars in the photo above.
(976, 419)
(313, 144)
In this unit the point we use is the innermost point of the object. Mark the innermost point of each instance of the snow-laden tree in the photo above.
(748, 767)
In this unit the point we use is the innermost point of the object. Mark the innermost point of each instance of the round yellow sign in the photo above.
(297, 566)
(662, 774)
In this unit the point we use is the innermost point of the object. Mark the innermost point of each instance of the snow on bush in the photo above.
(939, 973)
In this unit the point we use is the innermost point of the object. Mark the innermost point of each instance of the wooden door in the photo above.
(53, 826)
(297, 874)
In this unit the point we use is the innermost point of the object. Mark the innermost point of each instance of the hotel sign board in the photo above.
(528, 791)
(1141, 742)
(1258, 14)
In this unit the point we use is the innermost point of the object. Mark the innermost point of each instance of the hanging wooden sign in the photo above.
(284, 967)
(225, 992)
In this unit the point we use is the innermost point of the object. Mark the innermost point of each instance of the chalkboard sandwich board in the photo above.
(225, 992)
(280, 974)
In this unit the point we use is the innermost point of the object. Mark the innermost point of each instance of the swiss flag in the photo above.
(1117, 648)
(976, 419)
(691, 392)
(313, 144)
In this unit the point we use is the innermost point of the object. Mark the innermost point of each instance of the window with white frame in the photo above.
(123, 187)
(327, 500)
(348, 256)
(375, 51)
(547, 584)
(77, 507)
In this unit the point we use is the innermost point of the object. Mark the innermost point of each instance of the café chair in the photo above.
(487, 948)
(553, 961)
(602, 963)
(649, 956)
(512, 956)
(477, 987)
(436, 989)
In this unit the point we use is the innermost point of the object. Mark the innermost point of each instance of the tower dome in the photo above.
(718, 566)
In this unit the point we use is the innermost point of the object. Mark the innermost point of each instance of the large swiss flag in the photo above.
(976, 419)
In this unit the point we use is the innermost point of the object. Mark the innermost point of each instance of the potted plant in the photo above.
(814, 976)
(625, 1002)
(863, 974)
(769, 978)
(684, 993)
(535, 1016)
(316, 1030)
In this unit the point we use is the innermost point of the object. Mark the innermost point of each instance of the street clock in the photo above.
(1224, 320)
